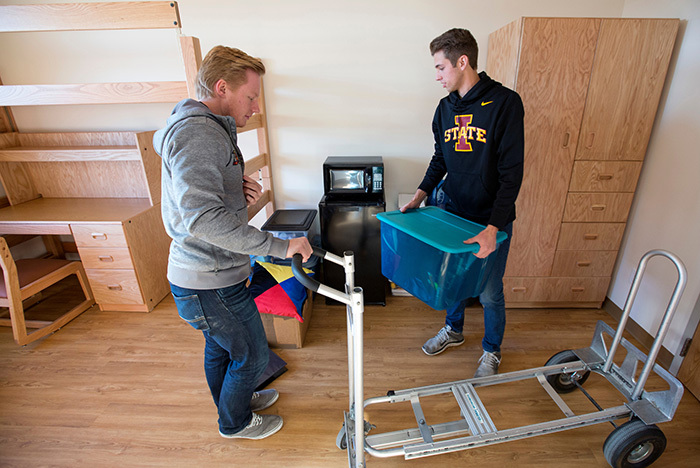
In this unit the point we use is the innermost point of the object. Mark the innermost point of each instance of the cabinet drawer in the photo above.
(605, 176)
(115, 286)
(584, 262)
(98, 235)
(106, 257)
(597, 207)
(519, 289)
(590, 236)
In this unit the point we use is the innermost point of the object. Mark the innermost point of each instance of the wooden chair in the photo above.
(23, 279)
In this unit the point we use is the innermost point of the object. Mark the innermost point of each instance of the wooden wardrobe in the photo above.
(590, 88)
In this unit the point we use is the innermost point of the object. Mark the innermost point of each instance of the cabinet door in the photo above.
(556, 56)
(628, 76)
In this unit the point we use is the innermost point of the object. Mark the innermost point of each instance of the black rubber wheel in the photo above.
(564, 382)
(634, 445)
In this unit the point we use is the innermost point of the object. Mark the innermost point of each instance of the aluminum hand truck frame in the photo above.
(636, 443)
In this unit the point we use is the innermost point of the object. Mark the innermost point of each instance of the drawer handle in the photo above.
(598, 207)
(99, 236)
(583, 264)
(519, 289)
(590, 236)
(106, 258)
(589, 143)
(578, 289)
(605, 176)
(114, 287)
(567, 137)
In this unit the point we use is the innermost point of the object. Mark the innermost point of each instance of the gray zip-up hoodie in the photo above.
(203, 204)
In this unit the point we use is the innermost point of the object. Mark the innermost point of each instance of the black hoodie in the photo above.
(479, 145)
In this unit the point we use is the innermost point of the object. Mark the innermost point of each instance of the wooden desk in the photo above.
(121, 242)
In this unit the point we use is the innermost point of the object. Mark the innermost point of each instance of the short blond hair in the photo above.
(228, 64)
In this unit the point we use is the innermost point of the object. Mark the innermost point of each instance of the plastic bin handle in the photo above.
(299, 272)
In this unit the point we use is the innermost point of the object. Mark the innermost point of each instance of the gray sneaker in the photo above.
(261, 426)
(263, 399)
(488, 364)
(443, 340)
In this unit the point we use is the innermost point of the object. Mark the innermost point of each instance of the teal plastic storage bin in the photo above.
(423, 251)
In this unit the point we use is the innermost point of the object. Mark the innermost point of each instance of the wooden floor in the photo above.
(127, 390)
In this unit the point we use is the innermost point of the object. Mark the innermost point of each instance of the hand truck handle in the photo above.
(299, 272)
(314, 285)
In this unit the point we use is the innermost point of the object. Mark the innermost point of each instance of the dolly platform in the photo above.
(636, 443)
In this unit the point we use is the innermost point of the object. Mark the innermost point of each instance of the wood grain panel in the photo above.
(99, 235)
(628, 77)
(590, 236)
(149, 245)
(151, 165)
(106, 258)
(94, 179)
(64, 153)
(7, 120)
(597, 207)
(89, 16)
(503, 50)
(584, 262)
(572, 290)
(555, 61)
(605, 176)
(93, 93)
(114, 286)
(192, 58)
(689, 372)
(87, 139)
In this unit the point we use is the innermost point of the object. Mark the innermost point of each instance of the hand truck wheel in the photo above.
(634, 445)
(341, 441)
(564, 383)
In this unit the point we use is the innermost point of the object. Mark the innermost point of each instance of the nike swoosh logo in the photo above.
(486, 103)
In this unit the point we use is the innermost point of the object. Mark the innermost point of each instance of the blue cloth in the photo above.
(236, 352)
(491, 299)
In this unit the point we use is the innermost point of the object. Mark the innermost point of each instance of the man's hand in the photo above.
(252, 190)
(415, 201)
(486, 240)
(299, 245)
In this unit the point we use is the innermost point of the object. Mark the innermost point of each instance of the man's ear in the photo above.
(463, 62)
(220, 88)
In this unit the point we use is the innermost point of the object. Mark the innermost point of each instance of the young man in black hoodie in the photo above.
(478, 130)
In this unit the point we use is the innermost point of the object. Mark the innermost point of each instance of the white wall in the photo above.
(666, 210)
(356, 78)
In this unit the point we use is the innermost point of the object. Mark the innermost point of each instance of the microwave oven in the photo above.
(348, 175)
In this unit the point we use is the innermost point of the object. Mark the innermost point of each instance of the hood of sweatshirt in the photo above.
(186, 109)
(476, 93)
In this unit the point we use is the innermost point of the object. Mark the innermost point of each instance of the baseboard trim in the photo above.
(665, 357)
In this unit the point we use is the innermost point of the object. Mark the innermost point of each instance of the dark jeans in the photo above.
(236, 351)
(491, 298)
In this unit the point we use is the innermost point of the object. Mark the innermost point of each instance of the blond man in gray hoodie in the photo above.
(205, 196)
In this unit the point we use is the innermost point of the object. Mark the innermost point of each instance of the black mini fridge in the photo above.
(350, 223)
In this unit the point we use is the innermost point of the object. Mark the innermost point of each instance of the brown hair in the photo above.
(228, 64)
(455, 43)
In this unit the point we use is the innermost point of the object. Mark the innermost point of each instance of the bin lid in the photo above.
(290, 220)
(437, 228)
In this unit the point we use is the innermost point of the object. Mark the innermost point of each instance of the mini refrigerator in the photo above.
(350, 223)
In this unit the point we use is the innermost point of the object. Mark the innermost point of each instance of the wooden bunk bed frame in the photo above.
(103, 188)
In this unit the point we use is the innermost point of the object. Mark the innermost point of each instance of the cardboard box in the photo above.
(288, 332)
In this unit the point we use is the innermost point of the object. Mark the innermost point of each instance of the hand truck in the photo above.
(636, 443)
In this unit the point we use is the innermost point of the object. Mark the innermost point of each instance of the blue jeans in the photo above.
(236, 351)
(491, 298)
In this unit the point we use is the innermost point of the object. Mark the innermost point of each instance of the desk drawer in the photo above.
(605, 176)
(542, 289)
(590, 236)
(584, 262)
(597, 207)
(99, 235)
(115, 286)
(106, 257)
